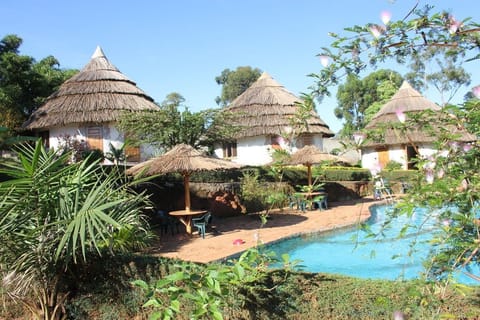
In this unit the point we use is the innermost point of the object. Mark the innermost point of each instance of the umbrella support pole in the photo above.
(186, 182)
(309, 174)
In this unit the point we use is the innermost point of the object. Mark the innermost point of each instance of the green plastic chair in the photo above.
(297, 201)
(201, 223)
(321, 201)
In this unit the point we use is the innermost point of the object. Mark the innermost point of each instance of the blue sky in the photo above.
(182, 45)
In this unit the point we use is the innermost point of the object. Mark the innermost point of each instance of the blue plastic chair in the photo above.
(201, 223)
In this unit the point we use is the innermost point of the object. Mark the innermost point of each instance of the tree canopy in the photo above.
(24, 82)
(447, 181)
(367, 46)
(234, 83)
(356, 95)
(441, 69)
(171, 125)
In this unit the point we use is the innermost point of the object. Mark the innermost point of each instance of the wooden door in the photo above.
(95, 138)
(132, 151)
(383, 157)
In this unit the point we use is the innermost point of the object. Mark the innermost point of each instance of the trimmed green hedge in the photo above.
(400, 175)
(294, 175)
(342, 174)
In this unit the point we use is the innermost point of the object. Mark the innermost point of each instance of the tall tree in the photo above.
(385, 91)
(440, 68)
(234, 83)
(356, 95)
(24, 82)
(171, 125)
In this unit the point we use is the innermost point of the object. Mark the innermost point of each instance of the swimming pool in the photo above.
(352, 252)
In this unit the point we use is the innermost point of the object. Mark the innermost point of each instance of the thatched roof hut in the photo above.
(409, 101)
(266, 108)
(99, 93)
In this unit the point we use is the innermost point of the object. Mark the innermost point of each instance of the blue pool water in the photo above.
(352, 252)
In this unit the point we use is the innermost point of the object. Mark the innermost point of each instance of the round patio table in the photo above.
(185, 216)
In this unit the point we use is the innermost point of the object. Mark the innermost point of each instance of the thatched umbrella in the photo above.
(407, 100)
(99, 93)
(183, 159)
(266, 108)
(310, 155)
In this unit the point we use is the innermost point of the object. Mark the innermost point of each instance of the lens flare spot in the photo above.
(386, 16)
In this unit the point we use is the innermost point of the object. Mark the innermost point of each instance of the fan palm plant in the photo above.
(53, 216)
(116, 155)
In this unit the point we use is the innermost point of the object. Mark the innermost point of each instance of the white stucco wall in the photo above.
(253, 151)
(369, 158)
(318, 141)
(110, 135)
(257, 150)
(57, 133)
(113, 135)
(395, 153)
(334, 143)
(426, 150)
(398, 154)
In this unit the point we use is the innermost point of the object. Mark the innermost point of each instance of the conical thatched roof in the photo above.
(406, 99)
(266, 107)
(409, 101)
(98, 93)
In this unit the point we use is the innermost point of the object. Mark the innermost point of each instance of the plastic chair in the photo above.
(298, 202)
(381, 189)
(167, 223)
(321, 201)
(201, 223)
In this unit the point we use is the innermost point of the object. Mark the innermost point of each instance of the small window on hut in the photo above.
(304, 140)
(229, 149)
(132, 152)
(95, 138)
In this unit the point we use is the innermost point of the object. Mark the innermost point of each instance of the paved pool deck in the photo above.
(219, 240)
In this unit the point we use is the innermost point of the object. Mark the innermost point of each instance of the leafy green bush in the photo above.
(93, 155)
(209, 291)
(292, 175)
(259, 196)
(393, 165)
(277, 294)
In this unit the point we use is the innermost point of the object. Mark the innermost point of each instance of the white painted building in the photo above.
(264, 115)
(85, 108)
(402, 145)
